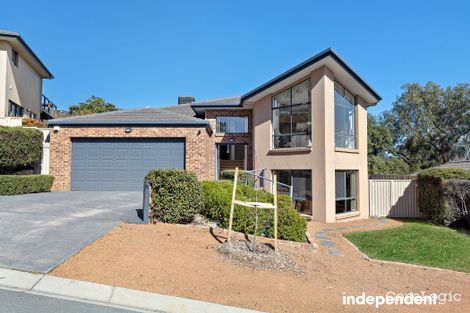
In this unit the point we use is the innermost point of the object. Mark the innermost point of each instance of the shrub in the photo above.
(432, 194)
(176, 196)
(21, 184)
(20, 148)
(243, 176)
(30, 122)
(217, 200)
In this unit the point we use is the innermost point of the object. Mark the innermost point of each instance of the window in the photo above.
(232, 124)
(32, 115)
(345, 118)
(346, 182)
(232, 152)
(14, 109)
(291, 117)
(14, 57)
(301, 182)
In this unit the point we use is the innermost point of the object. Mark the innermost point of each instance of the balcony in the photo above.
(48, 108)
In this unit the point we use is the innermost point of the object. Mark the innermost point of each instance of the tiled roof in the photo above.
(228, 101)
(145, 116)
(184, 109)
(465, 164)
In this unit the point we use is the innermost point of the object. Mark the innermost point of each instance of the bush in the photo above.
(176, 196)
(217, 200)
(21, 184)
(432, 194)
(243, 176)
(20, 148)
(29, 122)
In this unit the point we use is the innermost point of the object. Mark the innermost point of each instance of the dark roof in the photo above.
(184, 109)
(145, 116)
(464, 164)
(6, 33)
(228, 102)
(316, 58)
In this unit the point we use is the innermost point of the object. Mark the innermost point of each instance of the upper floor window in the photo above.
(345, 118)
(232, 124)
(15, 57)
(14, 109)
(291, 117)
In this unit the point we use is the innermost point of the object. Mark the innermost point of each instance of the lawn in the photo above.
(417, 242)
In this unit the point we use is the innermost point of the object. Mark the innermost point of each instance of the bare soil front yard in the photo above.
(184, 261)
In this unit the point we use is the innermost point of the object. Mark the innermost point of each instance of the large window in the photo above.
(301, 182)
(14, 109)
(346, 191)
(232, 124)
(291, 117)
(345, 118)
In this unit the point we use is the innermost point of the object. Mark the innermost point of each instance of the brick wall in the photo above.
(199, 148)
(247, 139)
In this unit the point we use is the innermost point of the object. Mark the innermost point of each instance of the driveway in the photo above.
(40, 231)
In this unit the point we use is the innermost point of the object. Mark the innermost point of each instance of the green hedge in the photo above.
(20, 148)
(433, 202)
(176, 196)
(243, 176)
(21, 184)
(217, 200)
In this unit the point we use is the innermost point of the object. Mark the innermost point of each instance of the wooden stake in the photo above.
(275, 212)
(232, 206)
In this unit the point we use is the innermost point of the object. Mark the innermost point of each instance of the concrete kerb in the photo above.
(106, 295)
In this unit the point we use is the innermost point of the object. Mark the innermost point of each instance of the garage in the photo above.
(120, 164)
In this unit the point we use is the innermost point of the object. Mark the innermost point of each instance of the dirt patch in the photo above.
(184, 261)
(258, 256)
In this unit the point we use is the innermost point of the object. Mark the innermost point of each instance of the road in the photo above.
(20, 302)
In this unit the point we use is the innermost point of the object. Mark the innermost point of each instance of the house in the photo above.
(307, 125)
(21, 75)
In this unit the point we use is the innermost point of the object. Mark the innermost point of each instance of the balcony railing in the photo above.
(48, 107)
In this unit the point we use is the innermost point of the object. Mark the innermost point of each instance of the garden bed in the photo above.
(184, 261)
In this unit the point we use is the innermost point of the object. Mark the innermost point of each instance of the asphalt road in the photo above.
(20, 302)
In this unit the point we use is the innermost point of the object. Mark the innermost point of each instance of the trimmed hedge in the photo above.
(22, 184)
(432, 194)
(243, 176)
(176, 196)
(217, 200)
(20, 148)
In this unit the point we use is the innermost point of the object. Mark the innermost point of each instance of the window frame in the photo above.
(355, 102)
(345, 199)
(15, 57)
(307, 133)
(290, 174)
(17, 107)
(217, 130)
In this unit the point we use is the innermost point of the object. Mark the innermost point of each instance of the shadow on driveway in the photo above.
(40, 231)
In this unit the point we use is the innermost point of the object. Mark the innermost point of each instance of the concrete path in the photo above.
(40, 231)
(104, 295)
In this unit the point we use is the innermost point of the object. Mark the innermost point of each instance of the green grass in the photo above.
(417, 242)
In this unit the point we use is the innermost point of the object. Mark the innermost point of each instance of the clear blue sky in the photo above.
(146, 53)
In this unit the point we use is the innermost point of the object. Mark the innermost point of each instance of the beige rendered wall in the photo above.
(322, 158)
(3, 78)
(23, 85)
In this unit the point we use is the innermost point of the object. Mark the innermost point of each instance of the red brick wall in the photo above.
(199, 148)
(247, 139)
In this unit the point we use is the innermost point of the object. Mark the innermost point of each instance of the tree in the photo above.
(92, 105)
(380, 146)
(430, 125)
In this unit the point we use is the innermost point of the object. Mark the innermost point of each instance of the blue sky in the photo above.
(146, 53)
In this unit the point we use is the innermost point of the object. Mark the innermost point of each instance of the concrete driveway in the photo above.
(40, 231)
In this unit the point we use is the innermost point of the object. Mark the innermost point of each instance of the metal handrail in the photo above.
(254, 173)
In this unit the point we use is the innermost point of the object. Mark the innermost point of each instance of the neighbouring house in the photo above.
(21, 75)
(307, 125)
(458, 164)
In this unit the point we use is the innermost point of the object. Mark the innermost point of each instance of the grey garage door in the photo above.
(121, 163)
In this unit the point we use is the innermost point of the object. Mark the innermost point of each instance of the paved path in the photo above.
(20, 302)
(323, 235)
(40, 231)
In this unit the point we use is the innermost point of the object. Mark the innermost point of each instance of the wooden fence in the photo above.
(393, 196)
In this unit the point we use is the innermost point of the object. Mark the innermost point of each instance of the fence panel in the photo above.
(393, 198)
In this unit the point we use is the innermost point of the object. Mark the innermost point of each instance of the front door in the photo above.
(230, 156)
